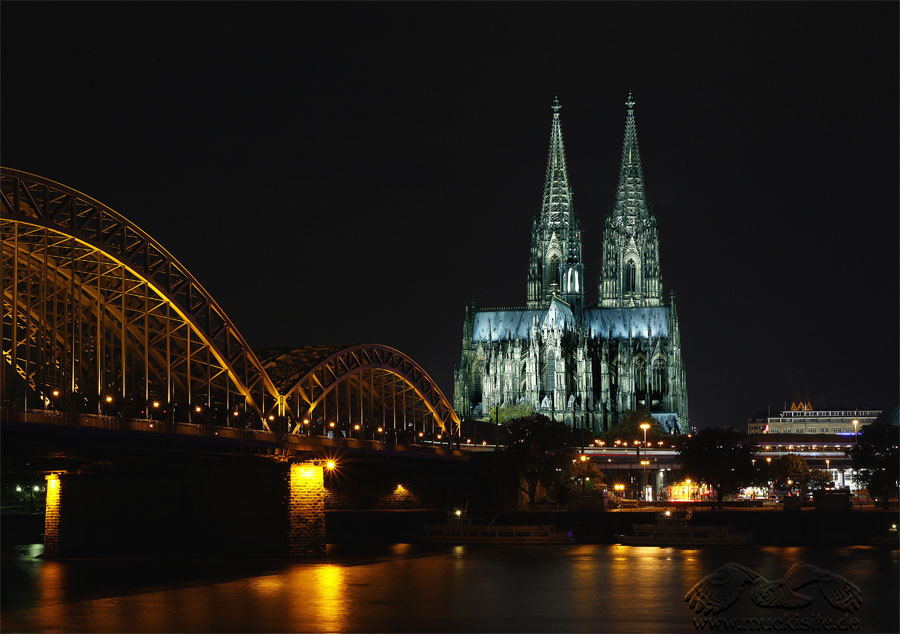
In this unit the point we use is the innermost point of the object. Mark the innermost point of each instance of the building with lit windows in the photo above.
(803, 419)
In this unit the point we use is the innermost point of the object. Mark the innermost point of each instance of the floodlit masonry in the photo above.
(585, 364)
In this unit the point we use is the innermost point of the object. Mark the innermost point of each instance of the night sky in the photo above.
(356, 173)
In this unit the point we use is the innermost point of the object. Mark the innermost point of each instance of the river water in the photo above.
(406, 588)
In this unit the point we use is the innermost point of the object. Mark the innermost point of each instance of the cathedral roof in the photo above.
(556, 209)
(600, 323)
(512, 324)
(624, 322)
(502, 325)
(631, 200)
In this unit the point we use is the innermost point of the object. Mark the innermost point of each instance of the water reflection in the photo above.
(406, 588)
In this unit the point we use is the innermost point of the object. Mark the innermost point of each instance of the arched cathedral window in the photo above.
(658, 378)
(477, 381)
(640, 375)
(554, 270)
(630, 277)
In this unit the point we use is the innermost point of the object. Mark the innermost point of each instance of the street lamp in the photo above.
(645, 427)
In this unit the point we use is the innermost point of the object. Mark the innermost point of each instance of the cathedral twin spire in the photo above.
(630, 271)
(556, 269)
(631, 201)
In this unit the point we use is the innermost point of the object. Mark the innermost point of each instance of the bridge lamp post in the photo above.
(645, 427)
(644, 464)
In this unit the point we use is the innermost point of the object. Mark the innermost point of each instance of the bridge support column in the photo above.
(52, 516)
(306, 510)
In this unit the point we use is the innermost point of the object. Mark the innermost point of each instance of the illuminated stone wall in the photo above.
(52, 516)
(306, 510)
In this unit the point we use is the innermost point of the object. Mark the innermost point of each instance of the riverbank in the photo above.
(767, 527)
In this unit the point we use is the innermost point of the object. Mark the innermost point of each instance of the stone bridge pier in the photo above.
(202, 507)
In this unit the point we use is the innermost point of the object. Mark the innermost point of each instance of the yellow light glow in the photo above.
(156, 404)
(109, 399)
(645, 426)
(438, 436)
(356, 427)
(198, 409)
(306, 421)
(457, 512)
(235, 413)
(583, 457)
(421, 434)
(271, 417)
(645, 462)
(688, 480)
(55, 392)
(331, 424)
(380, 430)
(330, 464)
(668, 513)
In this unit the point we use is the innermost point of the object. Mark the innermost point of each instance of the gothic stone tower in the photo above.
(556, 269)
(578, 363)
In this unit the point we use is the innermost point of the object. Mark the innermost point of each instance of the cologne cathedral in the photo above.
(582, 363)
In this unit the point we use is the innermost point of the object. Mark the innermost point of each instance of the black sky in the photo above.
(355, 173)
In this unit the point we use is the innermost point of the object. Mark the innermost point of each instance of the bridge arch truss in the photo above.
(98, 317)
(365, 390)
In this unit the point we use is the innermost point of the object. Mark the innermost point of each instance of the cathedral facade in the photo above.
(584, 364)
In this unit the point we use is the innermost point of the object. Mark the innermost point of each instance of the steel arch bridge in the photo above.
(98, 317)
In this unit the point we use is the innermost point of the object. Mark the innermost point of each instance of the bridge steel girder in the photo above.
(308, 388)
(113, 255)
(93, 306)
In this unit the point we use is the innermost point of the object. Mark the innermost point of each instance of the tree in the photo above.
(629, 426)
(791, 472)
(509, 412)
(540, 451)
(719, 457)
(818, 479)
(877, 460)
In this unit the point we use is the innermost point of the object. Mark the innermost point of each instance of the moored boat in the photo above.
(466, 533)
(674, 531)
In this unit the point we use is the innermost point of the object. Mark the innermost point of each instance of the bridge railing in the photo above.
(288, 441)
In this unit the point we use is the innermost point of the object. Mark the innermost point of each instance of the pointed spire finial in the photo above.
(630, 101)
(556, 106)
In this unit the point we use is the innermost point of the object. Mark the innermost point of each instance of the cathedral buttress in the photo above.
(630, 274)
(556, 268)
